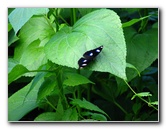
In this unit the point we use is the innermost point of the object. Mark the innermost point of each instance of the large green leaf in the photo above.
(101, 27)
(18, 105)
(36, 28)
(142, 49)
(34, 56)
(19, 16)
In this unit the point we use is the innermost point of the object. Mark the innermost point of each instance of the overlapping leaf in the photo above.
(19, 16)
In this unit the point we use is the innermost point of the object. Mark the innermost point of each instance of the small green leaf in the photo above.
(36, 79)
(142, 94)
(60, 109)
(154, 103)
(12, 37)
(9, 27)
(97, 116)
(47, 116)
(70, 115)
(133, 67)
(11, 64)
(87, 105)
(133, 21)
(47, 87)
(52, 116)
(15, 70)
(76, 79)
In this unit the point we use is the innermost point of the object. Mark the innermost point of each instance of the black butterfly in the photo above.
(89, 56)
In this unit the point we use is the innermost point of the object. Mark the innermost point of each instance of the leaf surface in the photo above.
(142, 49)
(37, 28)
(76, 79)
(18, 105)
(87, 105)
(19, 16)
(101, 27)
(15, 70)
(34, 56)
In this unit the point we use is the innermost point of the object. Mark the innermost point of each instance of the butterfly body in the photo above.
(89, 56)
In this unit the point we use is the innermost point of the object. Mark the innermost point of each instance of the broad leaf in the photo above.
(18, 105)
(19, 16)
(142, 49)
(101, 27)
(37, 28)
(34, 56)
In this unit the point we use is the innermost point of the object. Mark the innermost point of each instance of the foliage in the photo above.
(120, 84)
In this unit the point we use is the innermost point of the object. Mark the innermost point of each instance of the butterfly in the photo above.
(89, 56)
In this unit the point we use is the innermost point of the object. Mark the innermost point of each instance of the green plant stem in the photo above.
(73, 16)
(60, 87)
(79, 94)
(140, 96)
(50, 104)
(120, 107)
(79, 88)
(56, 19)
(41, 71)
(88, 92)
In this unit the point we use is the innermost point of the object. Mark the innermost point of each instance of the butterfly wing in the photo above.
(90, 55)
(83, 62)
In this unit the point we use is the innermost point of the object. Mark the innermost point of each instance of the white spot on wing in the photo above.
(97, 50)
(85, 61)
(84, 64)
(91, 54)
